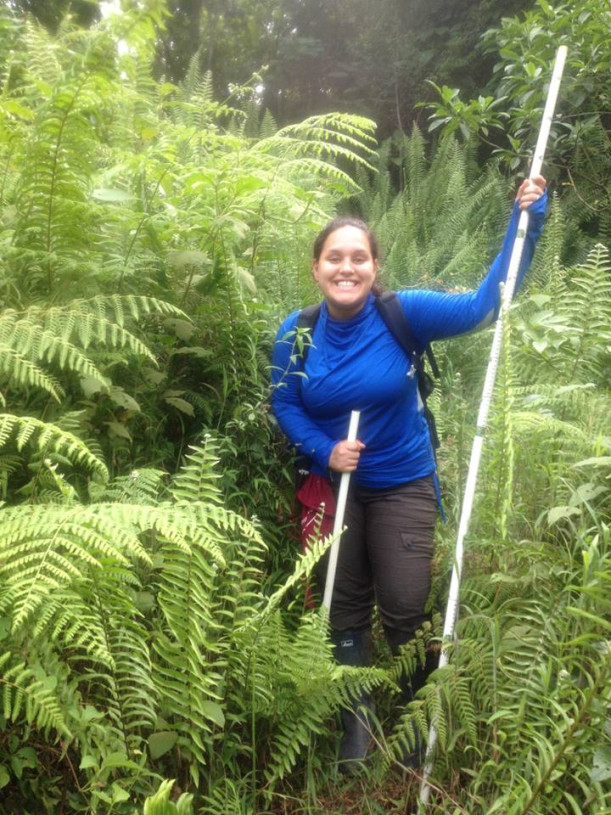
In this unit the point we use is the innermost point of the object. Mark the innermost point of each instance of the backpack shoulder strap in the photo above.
(397, 323)
(307, 319)
(308, 316)
(393, 315)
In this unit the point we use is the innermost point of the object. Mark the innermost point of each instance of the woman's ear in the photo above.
(315, 270)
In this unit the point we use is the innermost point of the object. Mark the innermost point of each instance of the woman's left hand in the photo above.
(531, 189)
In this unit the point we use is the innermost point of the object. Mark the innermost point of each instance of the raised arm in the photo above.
(437, 315)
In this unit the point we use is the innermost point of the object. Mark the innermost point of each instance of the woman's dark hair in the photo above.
(337, 223)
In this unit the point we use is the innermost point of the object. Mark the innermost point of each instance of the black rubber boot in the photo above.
(410, 685)
(354, 648)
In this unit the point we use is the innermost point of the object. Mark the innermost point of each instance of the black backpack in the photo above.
(394, 317)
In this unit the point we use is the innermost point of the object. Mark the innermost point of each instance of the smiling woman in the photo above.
(345, 265)
(355, 363)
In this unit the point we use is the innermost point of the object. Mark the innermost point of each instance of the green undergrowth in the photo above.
(157, 654)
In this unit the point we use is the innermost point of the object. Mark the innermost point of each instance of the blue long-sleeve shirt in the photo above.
(356, 364)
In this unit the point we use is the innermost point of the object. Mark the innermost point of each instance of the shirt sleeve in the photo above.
(287, 403)
(436, 315)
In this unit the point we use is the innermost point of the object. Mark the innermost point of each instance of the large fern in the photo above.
(440, 226)
(40, 347)
(569, 333)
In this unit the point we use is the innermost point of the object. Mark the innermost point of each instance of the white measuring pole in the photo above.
(339, 519)
(482, 418)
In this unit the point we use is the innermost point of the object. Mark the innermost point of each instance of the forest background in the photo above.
(164, 167)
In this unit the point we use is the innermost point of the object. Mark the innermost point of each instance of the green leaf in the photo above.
(540, 346)
(13, 107)
(187, 257)
(214, 712)
(112, 196)
(601, 768)
(183, 329)
(556, 514)
(195, 351)
(5, 776)
(90, 714)
(120, 760)
(124, 400)
(180, 404)
(119, 794)
(144, 601)
(160, 743)
(118, 430)
(594, 461)
(154, 377)
(249, 183)
(91, 386)
(586, 492)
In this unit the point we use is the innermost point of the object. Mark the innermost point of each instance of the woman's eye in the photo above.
(338, 259)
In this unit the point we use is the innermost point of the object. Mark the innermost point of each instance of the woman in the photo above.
(354, 363)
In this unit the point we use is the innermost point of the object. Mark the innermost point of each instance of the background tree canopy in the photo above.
(320, 55)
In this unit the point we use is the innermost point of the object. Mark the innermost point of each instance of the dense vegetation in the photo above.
(156, 654)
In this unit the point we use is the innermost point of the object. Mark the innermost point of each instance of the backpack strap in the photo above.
(393, 315)
(397, 323)
(307, 319)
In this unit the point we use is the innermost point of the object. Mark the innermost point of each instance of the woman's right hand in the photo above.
(530, 190)
(345, 456)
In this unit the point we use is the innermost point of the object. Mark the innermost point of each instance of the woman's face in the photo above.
(345, 271)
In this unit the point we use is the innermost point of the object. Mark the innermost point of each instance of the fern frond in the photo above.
(127, 689)
(55, 336)
(196, 480)
(24, 693)
(44, 64)
(54, 197)
(100, 320)
(328, 135)
(304, 664)
(36, 344)
(22, 372)
(49, 439)
(303, 569)
(439, 228)
(141, 486)
(45, 548)
(189, 689)
(568, 334)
